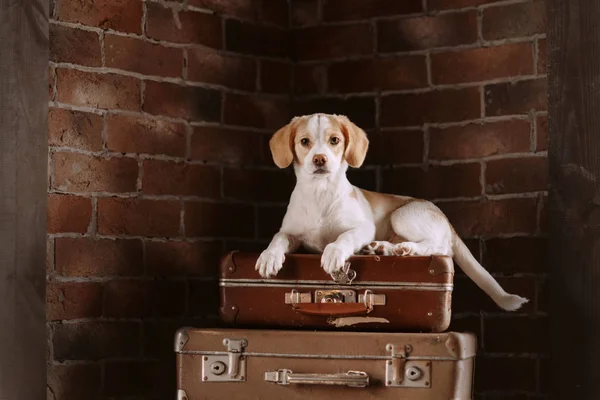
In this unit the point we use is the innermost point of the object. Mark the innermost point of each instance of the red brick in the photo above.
(516, 255)
(49, 256)
(467, 324)
(332, 41)
(341, 10)
(209, 66)
(82, 173)
(363, 178)
(276, 12)
(542, 55)
(177, 178)
(187, 102)
(459, 180)
(482, 64)
(388, 73)
(51, 83)
(360, 109)
(447, 4)
(516, 373)
(133, 54)
(304, 13)
(98, 90)
(86, 257)
(127, 134)
(228, 146)
(169, 24)
(516, 98)
(148, 379)
(74, 129)
(67, 213)
(407, 147)
(543, 221)
(96, 340)
(249, 246)
(418, 33)
(269, 220)
(141, 299)
(309, 79)
(488, 218)
(516, 335)
(198, 259)
(218, 219)
(275, 76)
(71, 300)
(516, 175)
(76, 46)
(204, 299)
(236, 8)
(514, 20)
(75, 381)
(255, 40)
(479, 140)
(255, 112)
(542, 133)
(118, 15)
(244, 184)
(138, 217)
(435, 106)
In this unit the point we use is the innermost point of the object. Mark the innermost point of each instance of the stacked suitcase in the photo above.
(375, 330)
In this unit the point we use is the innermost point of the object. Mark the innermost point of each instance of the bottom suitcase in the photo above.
(241, 364)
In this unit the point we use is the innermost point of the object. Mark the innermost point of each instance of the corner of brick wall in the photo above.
(160, 114)
(453, 96)
(159, 118)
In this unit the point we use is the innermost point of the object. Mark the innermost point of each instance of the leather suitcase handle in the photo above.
(332, 309)
(350, 378)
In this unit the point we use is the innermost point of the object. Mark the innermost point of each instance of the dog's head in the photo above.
(319, 145)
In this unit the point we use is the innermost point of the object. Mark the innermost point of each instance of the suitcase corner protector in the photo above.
(181, 395)
(181, 339)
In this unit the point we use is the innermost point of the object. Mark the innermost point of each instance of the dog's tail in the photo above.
(486, 282)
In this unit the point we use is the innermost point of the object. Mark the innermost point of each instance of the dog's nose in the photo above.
(319, 160)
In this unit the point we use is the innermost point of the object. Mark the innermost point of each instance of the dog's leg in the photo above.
(271, 259)
(335, 254)
(423, 248)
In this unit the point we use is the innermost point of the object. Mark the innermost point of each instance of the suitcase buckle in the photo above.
(400, 371)
(214, 366)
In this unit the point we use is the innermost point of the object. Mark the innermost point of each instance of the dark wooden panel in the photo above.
(23, 164)
(574, 162)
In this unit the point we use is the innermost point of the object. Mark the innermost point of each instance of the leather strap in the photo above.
(331, 309)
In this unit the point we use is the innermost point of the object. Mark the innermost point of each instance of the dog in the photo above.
(326, 214)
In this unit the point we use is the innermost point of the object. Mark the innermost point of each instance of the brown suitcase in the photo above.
(383, 293)
(237, 364)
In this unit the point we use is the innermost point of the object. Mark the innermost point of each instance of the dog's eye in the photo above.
(334, 140)
(304, 141)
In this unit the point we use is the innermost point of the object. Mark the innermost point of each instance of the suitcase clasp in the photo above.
(400, 371)
(214, 366)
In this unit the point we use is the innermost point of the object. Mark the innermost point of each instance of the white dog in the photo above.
(328, 215)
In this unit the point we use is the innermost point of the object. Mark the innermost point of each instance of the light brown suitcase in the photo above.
(376, 293)
(236, 364)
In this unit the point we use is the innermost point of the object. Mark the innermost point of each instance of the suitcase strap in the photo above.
(350, 378)
(332, 309)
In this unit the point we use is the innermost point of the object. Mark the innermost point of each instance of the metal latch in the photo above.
(402, 372)
(335, 296)
(214, 367)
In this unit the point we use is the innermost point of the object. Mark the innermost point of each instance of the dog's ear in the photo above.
(281, 145)
(357, 142)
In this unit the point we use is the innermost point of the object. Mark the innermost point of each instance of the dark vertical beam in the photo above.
(23, 186)
(574, 195)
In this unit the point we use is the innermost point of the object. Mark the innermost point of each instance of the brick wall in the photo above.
(155, 108)
(453, 95)
(159, 121)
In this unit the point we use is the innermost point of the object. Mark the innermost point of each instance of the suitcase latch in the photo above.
(400, 371)
(230, 367)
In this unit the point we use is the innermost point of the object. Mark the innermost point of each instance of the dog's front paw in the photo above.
(269, 263)
(334, 257)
